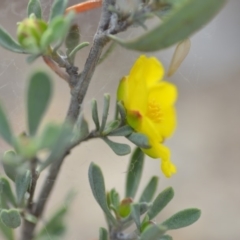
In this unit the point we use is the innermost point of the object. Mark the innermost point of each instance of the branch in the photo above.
(80, 85)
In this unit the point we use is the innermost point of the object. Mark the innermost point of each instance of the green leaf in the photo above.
(122, 131)
(23, 181)
(153, 232)
(56, 31)
(182, 219)
(11, 218)
(111, 126)
(179, 25)
(6, 191)
(95, 114)
(166, 237)
(114, 198)
(139, 139)
(149, 190)
(160, 202)
(58, 9)
(34, 6)
(135, 213)
(6, 232)
(122, 111)
(97, 184)
(7, 42)
(5, 129)
(55, 226)
(10, 164)
(60, 146)
(103, 234)
(77, 48)
(81, 129)
(38, 97)
(49, 136)
(120, 149)
(106, 105)
(134, 173)
(72, 38)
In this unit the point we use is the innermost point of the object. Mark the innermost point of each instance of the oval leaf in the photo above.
(95, 114)
(6, 232)
(122, 131)
(166, 237)
(97, 184)
(135, 213)
(6, 191)
(182, 219)
(153, 232)
(139, 139)
(103, 234)
(23, 182)
(106, 105)
(38, 98)
(183, 22)
(179, 55)
(11, 218)
(5, 129)
(149, 190)
(58, 8)
(7, 42)
(34, 6)
(160, 202)
(134, 172)
(120, 149)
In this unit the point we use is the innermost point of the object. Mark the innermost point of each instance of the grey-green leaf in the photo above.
(58, 8)
(106, 105)
(149, 190)
(134, 174)
(60, 146)
(135, 213)
(97, 184)
(111, 126)
(10, 164)
(34, 6)
(139, 140)
(95, 114)
(103, 234)
(6, 191)
(5, 129)
(179, 25)
(182, 219)
(11, 218)
(77, 48)
(38, 97)
(166, 237)
(81, 128)
(7, 42)
(160, 202)
(122, 131)
(120, 149)
(6, 232)
(23, 181)
(153, 232)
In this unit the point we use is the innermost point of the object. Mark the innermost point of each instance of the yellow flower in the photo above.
(149, 103)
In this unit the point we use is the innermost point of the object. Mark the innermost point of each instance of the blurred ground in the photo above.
(206, 146)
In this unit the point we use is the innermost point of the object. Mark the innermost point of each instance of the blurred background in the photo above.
(205, 147)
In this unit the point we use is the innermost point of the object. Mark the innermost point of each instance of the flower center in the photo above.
(154, 111)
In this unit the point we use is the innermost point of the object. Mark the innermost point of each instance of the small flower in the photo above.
(149, 103)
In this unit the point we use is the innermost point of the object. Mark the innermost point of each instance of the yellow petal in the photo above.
(164, 93)
(146, 69)
(122, 91)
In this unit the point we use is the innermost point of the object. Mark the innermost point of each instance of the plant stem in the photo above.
(78, 94)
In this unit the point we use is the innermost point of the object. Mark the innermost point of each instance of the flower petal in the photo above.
(149, 70)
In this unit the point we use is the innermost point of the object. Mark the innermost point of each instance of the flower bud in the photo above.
(29, 33)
